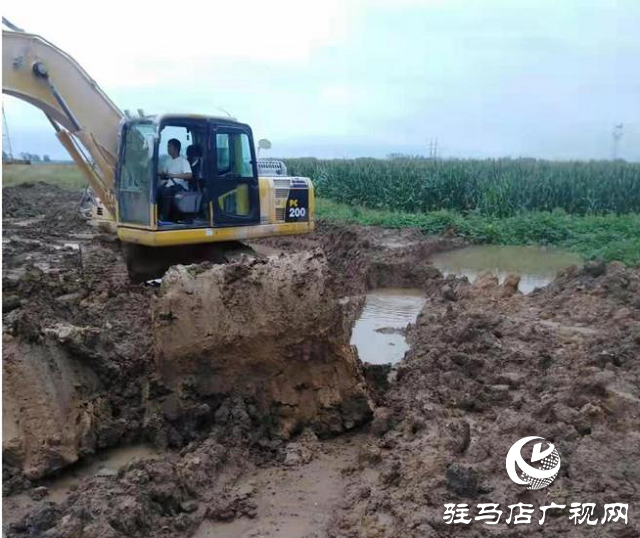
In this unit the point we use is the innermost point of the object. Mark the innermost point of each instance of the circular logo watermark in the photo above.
(542, 468)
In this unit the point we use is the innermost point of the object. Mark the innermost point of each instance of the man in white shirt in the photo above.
(174, 175)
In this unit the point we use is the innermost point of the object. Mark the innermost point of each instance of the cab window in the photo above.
(234, 155)
(135, 177)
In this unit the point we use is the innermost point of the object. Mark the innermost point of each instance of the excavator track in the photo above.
(149, 263)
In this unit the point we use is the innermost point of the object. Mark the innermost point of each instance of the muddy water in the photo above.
(107, 463)
(379, 332)
(537, 266)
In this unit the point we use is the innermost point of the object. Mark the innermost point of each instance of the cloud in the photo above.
(486, 77)
(130, 44)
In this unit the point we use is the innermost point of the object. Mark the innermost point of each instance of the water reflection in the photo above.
(379, 332)
(537, 266)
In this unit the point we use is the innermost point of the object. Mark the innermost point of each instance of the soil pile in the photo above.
(92, 361)
(271, 331)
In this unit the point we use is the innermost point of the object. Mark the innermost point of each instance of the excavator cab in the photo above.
(224, 189)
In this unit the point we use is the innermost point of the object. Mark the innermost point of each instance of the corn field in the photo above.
(500, 187)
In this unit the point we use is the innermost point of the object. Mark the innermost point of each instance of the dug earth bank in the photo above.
(228, 401)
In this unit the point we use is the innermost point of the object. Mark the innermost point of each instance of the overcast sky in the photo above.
(487, 78)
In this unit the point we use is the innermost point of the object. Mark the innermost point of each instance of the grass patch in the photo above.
(65, 176)
(607, 237)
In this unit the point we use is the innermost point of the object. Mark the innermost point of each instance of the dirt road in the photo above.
(343, 453)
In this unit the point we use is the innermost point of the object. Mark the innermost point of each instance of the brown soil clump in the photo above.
(272, 332)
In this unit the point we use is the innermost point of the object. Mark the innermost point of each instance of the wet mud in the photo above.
(257, 416)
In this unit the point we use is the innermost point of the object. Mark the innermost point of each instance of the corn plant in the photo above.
(499, 187)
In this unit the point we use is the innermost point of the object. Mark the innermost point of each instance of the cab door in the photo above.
(235, 196)
(134, 175)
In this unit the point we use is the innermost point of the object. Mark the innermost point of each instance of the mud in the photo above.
(261, 418)
(486, 367)
(237, 358)
(75, 340)
(269, 331)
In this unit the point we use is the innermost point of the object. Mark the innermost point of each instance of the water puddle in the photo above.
(379, 332)
(537, 266)
(106, 463)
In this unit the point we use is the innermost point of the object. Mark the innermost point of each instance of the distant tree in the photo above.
(46, 158)
(4, 156)
(35, 157)
(402, 156)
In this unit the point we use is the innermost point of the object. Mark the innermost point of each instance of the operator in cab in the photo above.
(194, 156)
(174, 175)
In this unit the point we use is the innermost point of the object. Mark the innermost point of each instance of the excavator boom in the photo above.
(85, 119)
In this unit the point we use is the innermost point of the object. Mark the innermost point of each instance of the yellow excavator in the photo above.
(231, 197)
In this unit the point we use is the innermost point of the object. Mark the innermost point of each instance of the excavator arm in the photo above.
(86, 121)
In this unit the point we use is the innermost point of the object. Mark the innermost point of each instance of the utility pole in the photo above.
(617, 135)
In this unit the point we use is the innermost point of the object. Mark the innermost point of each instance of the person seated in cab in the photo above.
(175, 174)
(194, 156)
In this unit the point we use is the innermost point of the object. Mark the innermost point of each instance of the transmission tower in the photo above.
(433, 148)
(617, 135)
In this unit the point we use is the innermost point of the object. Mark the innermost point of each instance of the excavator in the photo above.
(233, 199)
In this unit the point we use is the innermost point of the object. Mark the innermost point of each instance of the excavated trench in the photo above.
(379, 333)
(231, 401)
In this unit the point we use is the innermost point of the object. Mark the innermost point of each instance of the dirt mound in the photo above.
(75, 348)
(93, 362)
(271, 331)
(80, 371)
(488, 367)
